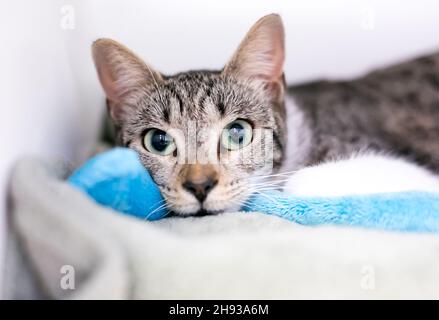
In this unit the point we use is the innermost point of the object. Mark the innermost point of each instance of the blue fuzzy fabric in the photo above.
(402, 211)
(118, 180)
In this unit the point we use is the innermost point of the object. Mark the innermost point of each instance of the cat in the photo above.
(223, 114)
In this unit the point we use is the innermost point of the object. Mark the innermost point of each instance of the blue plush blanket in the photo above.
(118, 180)
(403, 211)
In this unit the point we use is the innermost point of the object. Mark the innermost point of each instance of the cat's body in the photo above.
(395, 110)
(225, 112)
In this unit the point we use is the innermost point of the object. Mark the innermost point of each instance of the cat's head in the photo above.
(203, 135)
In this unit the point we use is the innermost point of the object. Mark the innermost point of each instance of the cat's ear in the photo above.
(123, 76)
(261, 54)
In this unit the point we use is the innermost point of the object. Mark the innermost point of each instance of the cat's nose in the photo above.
(200, 180)
(200, 189)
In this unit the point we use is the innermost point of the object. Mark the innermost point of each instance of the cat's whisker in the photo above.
(278, 180)
(270, 186)
(286, 173)
(266, 184)
(263, 194)
(167, 213)
(266, 189)
(157, 203)
(155, 210)
(242, 204)
(268, 181)
(273, 200)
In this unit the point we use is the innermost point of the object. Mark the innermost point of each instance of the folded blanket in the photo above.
(234, 255)
(402, 211)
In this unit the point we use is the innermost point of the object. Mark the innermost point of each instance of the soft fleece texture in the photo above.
(235, 255)
(399, 211)
(118, 180)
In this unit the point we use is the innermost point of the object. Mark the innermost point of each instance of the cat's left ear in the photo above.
(261, 55)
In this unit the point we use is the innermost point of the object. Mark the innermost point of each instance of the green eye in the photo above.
(237, 134)
(159, 142)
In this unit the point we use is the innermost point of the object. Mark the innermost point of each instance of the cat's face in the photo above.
(203, 135)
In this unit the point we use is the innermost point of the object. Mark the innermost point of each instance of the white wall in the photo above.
(50, 98)
(43, 109)
(324, 37)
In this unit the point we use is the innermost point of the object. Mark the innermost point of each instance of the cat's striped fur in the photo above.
(394, 110)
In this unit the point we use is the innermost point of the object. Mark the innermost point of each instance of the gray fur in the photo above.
(207, 97)
(393, 110)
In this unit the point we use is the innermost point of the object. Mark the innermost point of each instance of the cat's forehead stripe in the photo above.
(197, 89)
(204, 97)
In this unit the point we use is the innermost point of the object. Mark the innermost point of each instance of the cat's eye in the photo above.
(236, 134)
(159, 142)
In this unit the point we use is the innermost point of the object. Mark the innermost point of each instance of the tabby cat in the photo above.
(177, 122)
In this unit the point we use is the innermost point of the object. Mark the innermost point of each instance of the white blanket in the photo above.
(233, 255)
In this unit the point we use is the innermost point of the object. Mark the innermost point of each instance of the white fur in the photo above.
(299, 136)
(361, 174)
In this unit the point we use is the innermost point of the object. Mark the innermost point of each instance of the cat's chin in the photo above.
(201, 212)
(197, 214)
(204, 212)
(208, 208)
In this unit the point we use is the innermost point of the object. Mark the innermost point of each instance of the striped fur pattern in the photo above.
(194, 107)
(393, 110)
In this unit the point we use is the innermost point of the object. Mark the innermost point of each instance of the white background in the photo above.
(51, 101)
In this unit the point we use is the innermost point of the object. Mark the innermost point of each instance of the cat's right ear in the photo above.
(123, 76)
